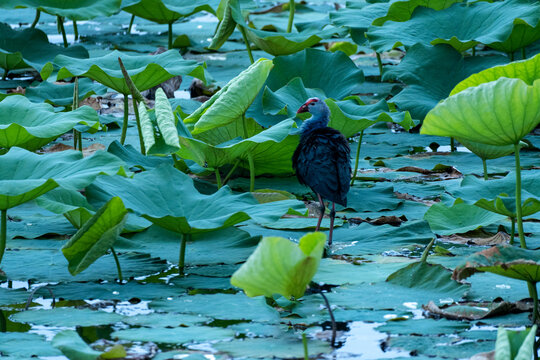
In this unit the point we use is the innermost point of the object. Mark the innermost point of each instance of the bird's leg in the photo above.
(321, 209)
(332, 217)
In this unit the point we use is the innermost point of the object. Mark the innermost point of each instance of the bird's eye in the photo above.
(311, 104)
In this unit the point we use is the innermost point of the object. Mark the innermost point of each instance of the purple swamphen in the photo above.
(322, 159)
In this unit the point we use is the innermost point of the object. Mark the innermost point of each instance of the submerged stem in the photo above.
(519, 215)
(484, 164)
(246, 41)
(426, 250)
(357, 157)
(291, 15)
(3, 232)
(182, 256)
(125, 123)
(332, 319)
(118, 268)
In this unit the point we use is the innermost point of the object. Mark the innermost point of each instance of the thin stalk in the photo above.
(182, 256)
(519, 215)
(75, 30)
(484, 164)
(379, 63)
(79, 139)
(139, 128)
(231, 171)
(60, 22)
(3, 322)
(332, 319)
(3, 232)
(130, 24)
(511, 55)
(246, 41)
(75, 137)
(452, 145)
(218, 178)
(125, 123)
(426, 251)
(170, 36)
(304, 342)
(36, 19)
(534, 293)
(130, 84)
(513, 231)
(177, 162)
(523, 53)
(4, 77)
(251, 172)
(291, 15)
(357, 157)
(474, 51)
(118, 268)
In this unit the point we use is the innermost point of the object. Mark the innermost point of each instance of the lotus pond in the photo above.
(144, 223)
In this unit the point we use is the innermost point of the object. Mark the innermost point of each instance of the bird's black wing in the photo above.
(322, 161)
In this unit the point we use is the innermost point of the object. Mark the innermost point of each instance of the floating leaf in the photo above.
(67, 317)
(166, 11)
(73, 347)
(31, 126)
(296, 263)
(74, 10)
(96, 236)
(62, 94)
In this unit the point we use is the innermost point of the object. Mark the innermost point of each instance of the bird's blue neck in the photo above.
(317, 121)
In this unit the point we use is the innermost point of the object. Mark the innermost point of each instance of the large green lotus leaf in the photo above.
(285, 346)
(168, 198)
(402, 10)
(430, 73)
(297, 264)
(66, 317)
(424, 327)
(167, 11)
(230, 103)
(71, 203)
(62, 94)
(28, 125)
(459, 218)
(497, 195)
(206, 154)
(527, 70)
(74, 10)
(175, 335)
(146, 71)
(133, 158)
(359, 17)
(96, 236)
(26, 175)
(26, 346)
(31, 47)
(481, 22)
(509, 261)
(488, 113)
(517, 345)
(73, 347)
(422, 275)
(487, 152)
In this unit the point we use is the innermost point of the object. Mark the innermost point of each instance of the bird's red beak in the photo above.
(303, 108)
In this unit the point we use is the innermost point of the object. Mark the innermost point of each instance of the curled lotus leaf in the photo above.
(74, 10)
(167, 11)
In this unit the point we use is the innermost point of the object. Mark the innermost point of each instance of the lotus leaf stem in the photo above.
(130, 84)
(452, 145)
(139, 128)
(523, 53)
(519, 215)
(60, 22)
(511, 55)
(118, 268)
(251, 172)
(291, 15)
(484, 164)
(75, 30)
(246, 41)
(332, 319)
(36, 19)
(379, 63)
(218, 178)
(231, 171)
(3, 232)
(513, 230)
(474, 51)
(170, 36)
(130, 24)
(427, 250)
(3, 322)
(4, 77)
(304, 342)
(77, 136)
(534, 293)
(357, 157)
(182, 257)
(125, 122)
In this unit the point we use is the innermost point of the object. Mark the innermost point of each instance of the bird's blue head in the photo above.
(320, 112)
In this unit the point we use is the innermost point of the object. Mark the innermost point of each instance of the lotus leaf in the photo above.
(73, 347)
(175, 335)
(506, 260)
(402, 10)
(71, 203)
(66, 317)
(134, 159)
(96, 236)
(482, 22)
(430, 73)
(31, 126)
(297, 264)
(62, 94)
(359, 18)
(487, 113)
(167, 11)
(284, 347)
(146, 71)
(31, 48)
(486, 152)
(515, 345)
(526, 70)
(79, 10)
